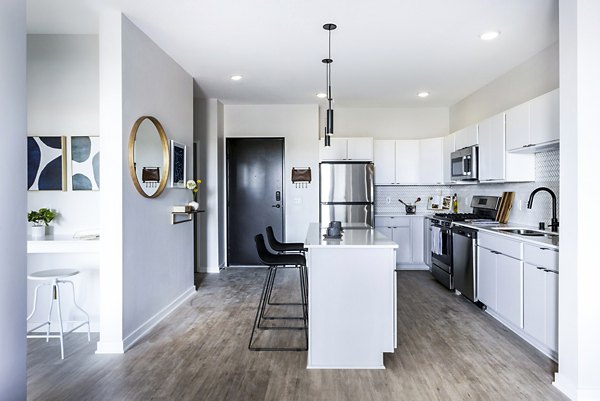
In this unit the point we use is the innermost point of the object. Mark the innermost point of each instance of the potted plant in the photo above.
(40, 219)
(194, 186)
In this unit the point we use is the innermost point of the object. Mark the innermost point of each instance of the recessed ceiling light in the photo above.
(321, 95)
(490, 35)
(236, 77)
(423, 94)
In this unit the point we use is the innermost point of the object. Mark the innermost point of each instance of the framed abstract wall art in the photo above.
(46, 165)
(85, 163)
(178, 163)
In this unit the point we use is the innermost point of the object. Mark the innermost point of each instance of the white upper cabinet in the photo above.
(517, 127)
(430, 161)
(533, 123)
(360, 149)
(492, 149)
(355, 149)
(384, 156)
(544, 122)
(407, 162)
(337, 151)
(466, 137)
(448, 148)
(495, 164)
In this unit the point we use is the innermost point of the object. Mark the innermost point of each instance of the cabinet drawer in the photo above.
(540, 256)
(499, 244)
(392, 221)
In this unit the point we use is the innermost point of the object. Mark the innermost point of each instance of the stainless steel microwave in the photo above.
(464, 164)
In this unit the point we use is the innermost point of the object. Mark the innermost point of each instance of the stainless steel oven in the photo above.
(441, 252)
(464, 164)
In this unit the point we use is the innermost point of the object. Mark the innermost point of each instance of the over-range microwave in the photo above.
(464, 164)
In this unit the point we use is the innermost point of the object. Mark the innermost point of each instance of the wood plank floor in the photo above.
(448, 350)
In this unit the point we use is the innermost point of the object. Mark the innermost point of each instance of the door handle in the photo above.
(277, 206)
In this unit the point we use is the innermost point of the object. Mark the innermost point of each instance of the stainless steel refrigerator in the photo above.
(346, 192)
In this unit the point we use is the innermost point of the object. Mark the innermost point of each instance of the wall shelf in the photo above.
(190, 216)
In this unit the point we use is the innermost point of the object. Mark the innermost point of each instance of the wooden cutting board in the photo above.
(505, 207)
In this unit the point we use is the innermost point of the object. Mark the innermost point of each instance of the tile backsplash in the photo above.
(547, 172)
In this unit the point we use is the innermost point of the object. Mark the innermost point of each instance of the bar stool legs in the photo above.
(55, 296)
(260, 312)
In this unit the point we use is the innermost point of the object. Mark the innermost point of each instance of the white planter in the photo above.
(194, 205)
(38, 232)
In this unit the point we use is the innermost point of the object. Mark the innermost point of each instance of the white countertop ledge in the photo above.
(62, 244)
(354, 236)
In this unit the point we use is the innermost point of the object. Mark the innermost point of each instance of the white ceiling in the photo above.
(384, 51)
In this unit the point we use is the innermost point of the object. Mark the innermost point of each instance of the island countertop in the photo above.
(353, 236)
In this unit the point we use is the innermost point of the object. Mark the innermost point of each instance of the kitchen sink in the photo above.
(526, 232)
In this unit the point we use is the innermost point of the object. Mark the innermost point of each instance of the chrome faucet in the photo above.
(554, 222)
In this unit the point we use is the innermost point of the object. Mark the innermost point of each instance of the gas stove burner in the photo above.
(457, 216)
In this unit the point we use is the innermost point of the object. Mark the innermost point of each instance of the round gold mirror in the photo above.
(148, 157)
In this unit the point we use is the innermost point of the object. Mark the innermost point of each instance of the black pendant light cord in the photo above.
(328, 61)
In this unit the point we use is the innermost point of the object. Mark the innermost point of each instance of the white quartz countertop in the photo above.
(353, 236)
(490, 228)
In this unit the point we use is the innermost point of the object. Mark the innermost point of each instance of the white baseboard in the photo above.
(565, 385)
(138, 333)
(210, 269)
(521, 333)
(412, 267)
(107, 347)
(568, 388)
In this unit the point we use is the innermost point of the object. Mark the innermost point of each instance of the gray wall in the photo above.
(530, 79)
(146, 262)
(13, 121)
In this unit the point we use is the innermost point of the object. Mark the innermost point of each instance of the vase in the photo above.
(194, 205)
(38, 232)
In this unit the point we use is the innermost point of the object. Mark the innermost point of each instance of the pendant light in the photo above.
(327, 61)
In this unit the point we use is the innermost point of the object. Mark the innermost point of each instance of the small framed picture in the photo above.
(178, 163)
(446, 202)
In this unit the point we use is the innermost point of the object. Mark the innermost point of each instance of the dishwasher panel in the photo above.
(464, 261)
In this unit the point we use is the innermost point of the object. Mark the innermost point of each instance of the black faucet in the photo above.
(554, 223)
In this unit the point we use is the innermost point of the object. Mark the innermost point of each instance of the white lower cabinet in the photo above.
(427, 242)
(540, 289)
(486, 265)
(401, 236)
(407, 232)
(520, 286)
(500, 285)
(509, 275)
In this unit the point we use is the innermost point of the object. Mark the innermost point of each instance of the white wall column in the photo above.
(13, 120)
(208, 135)
(579, 315)
(111, 195)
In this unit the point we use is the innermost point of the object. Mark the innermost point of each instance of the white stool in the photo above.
(55, 277)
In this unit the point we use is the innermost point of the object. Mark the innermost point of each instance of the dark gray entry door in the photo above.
(254, 195)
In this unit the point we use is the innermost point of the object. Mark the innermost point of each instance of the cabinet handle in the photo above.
(540, 268)
(550, 271)
(495, 252)
(548, 249)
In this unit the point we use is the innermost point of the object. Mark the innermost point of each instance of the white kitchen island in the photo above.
(351, 298)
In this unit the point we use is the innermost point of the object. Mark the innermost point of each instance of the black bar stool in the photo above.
(274, 262)
(284, 248)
